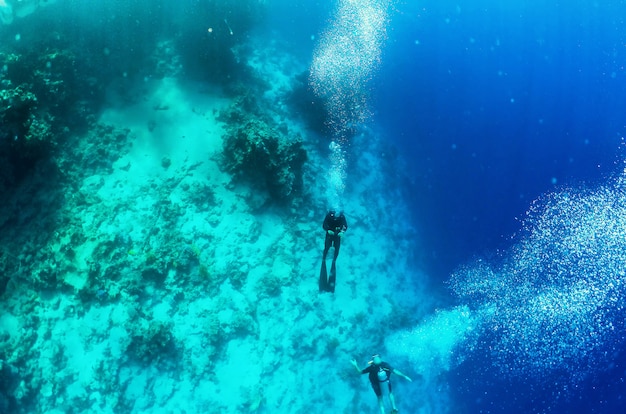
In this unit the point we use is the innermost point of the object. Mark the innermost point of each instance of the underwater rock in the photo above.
(9, 382)
(268, 159)
(23, 131)
(154, 344)
(42, 99)
(94, 153)
(10, 10)
(6, 17)
(19, 145)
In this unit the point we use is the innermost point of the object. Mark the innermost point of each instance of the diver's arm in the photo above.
(326, 225)
(342, 227)
(356, 366)
(395, 371)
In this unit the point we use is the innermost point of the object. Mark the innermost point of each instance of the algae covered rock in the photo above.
(269, 159)
(153, 343)
(42, 100)
(24, 136)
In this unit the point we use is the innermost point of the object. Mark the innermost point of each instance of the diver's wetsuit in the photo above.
(336, 224)
(379, 374)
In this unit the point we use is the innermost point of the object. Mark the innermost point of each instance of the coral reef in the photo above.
(42, 99)
(9, 383)
(136, 279)
(153, 344)
(268, 158)
(23, 135)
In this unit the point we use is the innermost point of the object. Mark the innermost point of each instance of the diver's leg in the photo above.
(327, 243)
(393, 402)
(381, 404)
(332, 278)
(323, 282)
(379, 395)
(337, 243)
(333, 269)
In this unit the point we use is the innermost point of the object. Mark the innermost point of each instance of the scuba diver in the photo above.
(380, 375)
(335, 226)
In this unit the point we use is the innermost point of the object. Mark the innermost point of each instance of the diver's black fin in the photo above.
(332, 278)
(323, 277)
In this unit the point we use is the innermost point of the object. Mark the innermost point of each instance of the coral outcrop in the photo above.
(266, 157)
(153, 344)
(42, 99)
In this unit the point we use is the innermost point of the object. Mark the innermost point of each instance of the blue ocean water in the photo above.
(493, 106)
(495, 103)
(488, 107)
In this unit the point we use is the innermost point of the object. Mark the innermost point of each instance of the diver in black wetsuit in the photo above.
(335, 226)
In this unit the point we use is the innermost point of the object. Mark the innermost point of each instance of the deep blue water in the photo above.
(495, 102)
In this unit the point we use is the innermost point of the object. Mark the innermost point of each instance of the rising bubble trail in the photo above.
(344, 60)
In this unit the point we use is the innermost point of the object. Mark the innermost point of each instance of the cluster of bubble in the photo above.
(336, 174)
(344, 60)
(431, 346)
(555, 303)
(428, 350)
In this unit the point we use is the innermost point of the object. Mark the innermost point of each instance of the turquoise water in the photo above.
(165, 168)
